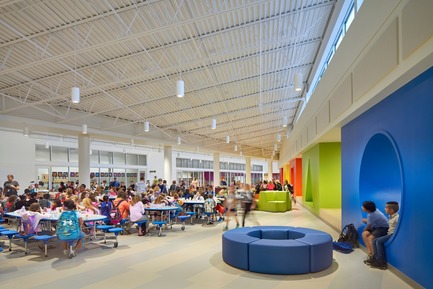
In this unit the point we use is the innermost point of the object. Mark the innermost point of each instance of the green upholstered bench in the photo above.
(274, 201)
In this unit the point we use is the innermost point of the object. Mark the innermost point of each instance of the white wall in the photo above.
(387, 45)
(17, 157)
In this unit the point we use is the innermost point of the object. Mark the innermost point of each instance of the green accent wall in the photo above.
(321, 176)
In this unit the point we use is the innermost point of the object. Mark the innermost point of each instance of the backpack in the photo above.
(106, 208)
(27, 224)
(349, 234)
(342, 247)
(68, 226)
(115, 215)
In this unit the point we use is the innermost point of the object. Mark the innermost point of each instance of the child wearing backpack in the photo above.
(377, 226)
(106, 207)
(69, 227)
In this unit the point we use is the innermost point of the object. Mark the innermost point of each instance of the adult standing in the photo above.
(11, 187)
(140, 187)
(115, 183)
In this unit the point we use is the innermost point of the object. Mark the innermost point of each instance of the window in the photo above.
(342, 29)
(94, 157)
(42, 154)
(118, 158)
(131, 159)
(73, 155)
(106, 157)
(59, 154)
(142, 160)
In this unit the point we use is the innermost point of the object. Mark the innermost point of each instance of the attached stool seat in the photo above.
(160, 224)
(116, 232)
(44, 239)
(209, 215)
(10, 234)
(182, 219)
(104, 229)
(140, 224)
(191, 214)
(25, 239)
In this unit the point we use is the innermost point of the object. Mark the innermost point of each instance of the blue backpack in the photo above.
(68, 226)
(342, 247)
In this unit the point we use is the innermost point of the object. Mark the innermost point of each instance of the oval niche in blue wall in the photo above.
(380, 178)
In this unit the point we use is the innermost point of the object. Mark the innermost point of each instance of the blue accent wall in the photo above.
(387, 154)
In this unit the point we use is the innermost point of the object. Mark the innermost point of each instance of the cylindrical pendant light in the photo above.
(275, 147)
(179, 140)
(26, 131)
(236, 148)
(213, 123)
(240, 153)
(146, 126)
(180, 88)
(84, 129)
(75, 94)
(228, 139)
(47, 145)
(297, 83)
(285, 121)
(279, 137)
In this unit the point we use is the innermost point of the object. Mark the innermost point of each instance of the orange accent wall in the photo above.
(296, 175)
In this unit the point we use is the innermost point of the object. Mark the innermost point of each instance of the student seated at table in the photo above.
(56, 204)
(30, 219)
(198, 207)
(68, 226)
(106, 206)
(159, 202)
(10, 204)
(123, 205)
(209, 207)
(137, 214)
(45, 201)
(76, 202)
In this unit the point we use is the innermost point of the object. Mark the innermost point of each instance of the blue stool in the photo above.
(191, 214)
(10, 234)
(44, 239)
(208, 215)
(122, 223)
(1, 249)
(116, 232)
(160, 224)
(182, 219)
(71, 243)
(104, 228)
(140, 223)
(25, 239)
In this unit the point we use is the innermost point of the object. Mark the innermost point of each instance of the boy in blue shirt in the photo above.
(379, 261)
(377, 226)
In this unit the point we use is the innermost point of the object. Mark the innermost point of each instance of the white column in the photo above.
(84, 159)
(248, 170)
(216, 170)
(270, 169)
(168, 164)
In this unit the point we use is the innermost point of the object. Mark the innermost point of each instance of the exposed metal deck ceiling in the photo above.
(237, 58)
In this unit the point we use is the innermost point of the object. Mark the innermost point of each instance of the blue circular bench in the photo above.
(277, 249)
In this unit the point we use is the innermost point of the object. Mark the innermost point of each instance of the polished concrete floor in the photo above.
(180, 259)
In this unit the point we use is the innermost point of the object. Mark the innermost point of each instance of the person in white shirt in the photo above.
(136, 214)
